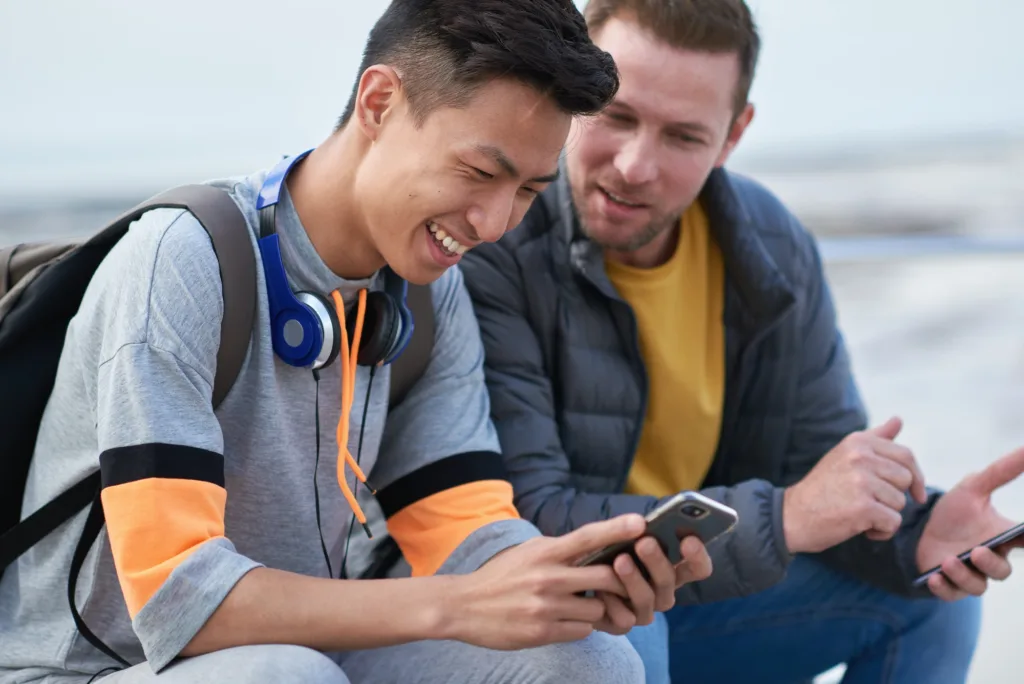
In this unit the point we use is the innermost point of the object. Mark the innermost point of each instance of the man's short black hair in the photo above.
(444, 49)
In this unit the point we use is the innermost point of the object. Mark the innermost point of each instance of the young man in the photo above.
(222, 526)
(659, 324)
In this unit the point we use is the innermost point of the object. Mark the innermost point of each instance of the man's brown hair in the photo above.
(719, 26)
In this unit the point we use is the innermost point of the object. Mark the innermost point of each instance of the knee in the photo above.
(958, 621)
(651, 644)
(275, 664)
(600, 658)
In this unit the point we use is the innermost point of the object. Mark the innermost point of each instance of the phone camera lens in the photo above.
(693, 511)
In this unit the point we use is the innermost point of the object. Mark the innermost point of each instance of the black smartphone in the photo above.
(1006, 537)
(685, 514)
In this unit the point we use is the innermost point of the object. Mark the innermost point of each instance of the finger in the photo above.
(941, 587)
(578, 609)
(887, 430)
(562, 632)
(963, 578)
(640, 593)
(990, 563)
(884, 521)
(901, 456)
(618, 618)
(1000, 472)
(597, 535)
(575, 580)
(660, 570)
(888, 495)
(696, 565)
(888, 464)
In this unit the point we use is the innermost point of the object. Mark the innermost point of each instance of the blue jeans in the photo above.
(812, 621)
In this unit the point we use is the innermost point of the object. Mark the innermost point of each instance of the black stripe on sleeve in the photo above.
(460, 469)
(169, 461)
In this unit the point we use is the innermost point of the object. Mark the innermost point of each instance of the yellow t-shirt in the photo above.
(678, 308)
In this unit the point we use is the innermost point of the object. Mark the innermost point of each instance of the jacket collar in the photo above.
(763, 291)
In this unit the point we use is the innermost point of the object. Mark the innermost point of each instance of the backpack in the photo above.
(41, 288)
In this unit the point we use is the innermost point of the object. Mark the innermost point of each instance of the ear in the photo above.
(378, 94)
(739, 127)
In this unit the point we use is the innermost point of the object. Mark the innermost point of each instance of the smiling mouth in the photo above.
(620, 200)
(446, 242)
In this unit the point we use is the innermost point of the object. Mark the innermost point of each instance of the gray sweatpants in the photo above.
(598, 659)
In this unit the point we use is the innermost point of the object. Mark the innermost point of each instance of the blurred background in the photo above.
(893, 128)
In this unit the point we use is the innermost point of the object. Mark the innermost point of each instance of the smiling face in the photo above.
(430, 190)
(637, 166)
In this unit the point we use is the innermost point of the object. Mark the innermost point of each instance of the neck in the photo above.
(651, 255)
(322, 188)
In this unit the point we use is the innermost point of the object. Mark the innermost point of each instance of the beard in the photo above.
(640, 238)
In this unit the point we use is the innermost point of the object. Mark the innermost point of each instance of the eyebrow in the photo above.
(506, 164)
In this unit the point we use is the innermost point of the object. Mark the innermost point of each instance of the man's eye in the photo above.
(483, 174)
(688, 139)
(620, 119)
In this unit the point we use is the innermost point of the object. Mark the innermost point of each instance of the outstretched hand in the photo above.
(963, 518)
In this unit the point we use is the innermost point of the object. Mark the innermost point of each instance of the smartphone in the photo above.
(685, 514)
(1006, 537)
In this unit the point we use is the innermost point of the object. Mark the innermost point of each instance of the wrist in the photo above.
(442, 614)
(791, 521)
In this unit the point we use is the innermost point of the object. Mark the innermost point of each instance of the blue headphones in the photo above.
(304, 326)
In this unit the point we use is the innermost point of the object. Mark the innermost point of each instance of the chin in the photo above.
(416, 271)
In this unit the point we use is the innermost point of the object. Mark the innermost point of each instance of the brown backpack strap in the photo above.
(230, 235)
(21, 263)
(408, 367)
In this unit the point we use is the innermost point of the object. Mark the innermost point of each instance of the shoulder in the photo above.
(453, 309)
(166, 241)
(160, 284)
(792, 247)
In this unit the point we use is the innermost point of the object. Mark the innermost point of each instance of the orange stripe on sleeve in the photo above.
(428, 530)
(154, 524)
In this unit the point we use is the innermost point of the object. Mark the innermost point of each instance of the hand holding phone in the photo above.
(651, 569)
(685, 514)
(1014, 534)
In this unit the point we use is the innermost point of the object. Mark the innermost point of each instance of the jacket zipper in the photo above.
(636, 359)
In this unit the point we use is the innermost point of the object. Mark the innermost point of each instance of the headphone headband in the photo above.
(270, 192)
(298, 331)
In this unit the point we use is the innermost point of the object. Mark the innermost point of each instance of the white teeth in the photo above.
(620, 200)
(449, 243)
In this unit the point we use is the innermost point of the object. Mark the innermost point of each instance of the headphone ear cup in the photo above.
(380, 329)
(323, 312)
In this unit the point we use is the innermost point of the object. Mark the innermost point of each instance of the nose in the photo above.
(491, 216)
(636, 160)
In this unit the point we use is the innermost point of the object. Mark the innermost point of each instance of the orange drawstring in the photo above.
(349, 362)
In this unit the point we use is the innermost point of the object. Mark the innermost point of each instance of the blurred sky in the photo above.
(119, 94)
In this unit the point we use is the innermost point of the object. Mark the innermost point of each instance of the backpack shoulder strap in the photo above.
(408, 367)
(229, 233)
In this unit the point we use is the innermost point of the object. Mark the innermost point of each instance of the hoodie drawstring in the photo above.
(349, 359)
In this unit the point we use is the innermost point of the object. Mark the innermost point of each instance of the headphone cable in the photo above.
(316, 467)
(316, 491)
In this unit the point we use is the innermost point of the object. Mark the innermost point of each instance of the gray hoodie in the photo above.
(195, 498)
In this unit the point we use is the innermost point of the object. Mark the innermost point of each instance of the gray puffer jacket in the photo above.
(569, 388)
